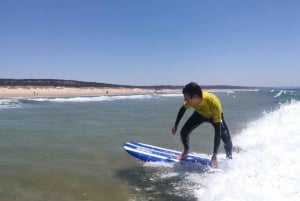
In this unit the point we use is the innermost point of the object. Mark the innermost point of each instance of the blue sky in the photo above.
(152, 42)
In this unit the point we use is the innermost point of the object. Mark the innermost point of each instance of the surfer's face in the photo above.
(192, 100)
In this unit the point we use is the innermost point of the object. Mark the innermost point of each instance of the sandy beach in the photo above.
(20, 91)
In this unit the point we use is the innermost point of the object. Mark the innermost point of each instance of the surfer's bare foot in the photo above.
(182, 155)
(214, 161)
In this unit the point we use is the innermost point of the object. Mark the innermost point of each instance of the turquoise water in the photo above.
(70, 149)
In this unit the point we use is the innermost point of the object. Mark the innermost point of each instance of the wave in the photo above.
(102, 98)
(268, 161)
(229, 91)
(10, 104)
(90, 99)
(282, 92)
(169, 95)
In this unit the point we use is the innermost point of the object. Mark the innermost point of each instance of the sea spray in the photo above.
(268, 164)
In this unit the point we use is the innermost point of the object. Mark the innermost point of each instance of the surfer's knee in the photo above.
(185, 131)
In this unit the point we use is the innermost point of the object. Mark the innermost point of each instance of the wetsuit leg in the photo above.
(194, 121)
(226, 138)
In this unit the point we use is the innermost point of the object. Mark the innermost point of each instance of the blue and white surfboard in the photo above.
(150, 153)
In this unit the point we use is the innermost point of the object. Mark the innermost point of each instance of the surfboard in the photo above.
(150, 153)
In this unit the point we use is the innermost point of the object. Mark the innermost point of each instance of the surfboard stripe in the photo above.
(152, 153)
(153, 149)
(164, 150)
(142, 152)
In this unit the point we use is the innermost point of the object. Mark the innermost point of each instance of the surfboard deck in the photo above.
(150, 153)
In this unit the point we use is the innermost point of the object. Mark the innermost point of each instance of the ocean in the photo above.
(70, 149)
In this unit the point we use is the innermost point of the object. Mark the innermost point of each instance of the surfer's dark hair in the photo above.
(192, 89)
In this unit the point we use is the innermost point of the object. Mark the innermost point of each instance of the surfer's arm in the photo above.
(217, 138)
(178, 118)
(180, 115)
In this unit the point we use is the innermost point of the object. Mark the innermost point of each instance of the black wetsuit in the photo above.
(211, 106)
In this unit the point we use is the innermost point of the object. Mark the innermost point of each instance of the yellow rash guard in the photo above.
(210, 107)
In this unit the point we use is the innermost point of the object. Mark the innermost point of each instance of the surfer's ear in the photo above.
(196, 96)
(196, 99)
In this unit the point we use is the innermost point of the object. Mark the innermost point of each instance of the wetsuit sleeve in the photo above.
(180, 115)
(217, 138)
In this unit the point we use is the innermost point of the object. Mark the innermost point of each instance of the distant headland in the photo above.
(82, 84)
(37, 88)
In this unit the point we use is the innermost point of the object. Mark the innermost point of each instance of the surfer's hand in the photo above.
(174, 129)
(214, 161)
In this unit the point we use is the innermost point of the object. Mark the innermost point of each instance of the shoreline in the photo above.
(48, 92)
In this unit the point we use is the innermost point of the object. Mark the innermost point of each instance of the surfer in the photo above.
(207, 108)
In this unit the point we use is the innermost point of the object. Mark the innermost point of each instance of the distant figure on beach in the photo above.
(207, 108)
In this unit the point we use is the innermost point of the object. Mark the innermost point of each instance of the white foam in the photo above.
(10, 104)
(279, 93)
(170, 95)
(267, 166)
(91, 99)
(283, 92)
(158, 164)
(231, 91)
